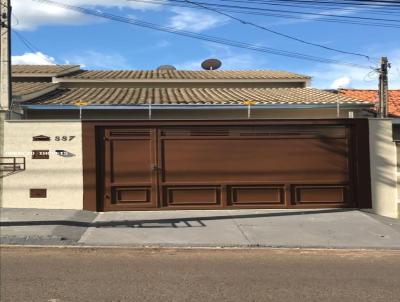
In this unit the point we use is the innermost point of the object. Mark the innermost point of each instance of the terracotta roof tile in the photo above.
(185, 75)
(372, 96)
(198, 96)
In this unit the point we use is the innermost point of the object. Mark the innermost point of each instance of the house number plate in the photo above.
(64, 138)
(43, 138)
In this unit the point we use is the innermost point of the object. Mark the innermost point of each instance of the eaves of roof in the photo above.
(23, 92)
(48, 73)
(193, 106)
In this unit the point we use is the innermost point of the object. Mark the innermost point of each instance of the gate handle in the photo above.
(156, 168)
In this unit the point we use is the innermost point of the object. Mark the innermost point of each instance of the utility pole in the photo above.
(5, 76)
(5, 55)
(383, 88)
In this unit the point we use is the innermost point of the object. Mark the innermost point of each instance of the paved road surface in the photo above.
(64, 274)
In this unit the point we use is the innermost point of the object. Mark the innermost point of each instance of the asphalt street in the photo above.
(91, 274)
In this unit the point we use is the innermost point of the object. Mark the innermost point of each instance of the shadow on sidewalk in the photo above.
(165, 223)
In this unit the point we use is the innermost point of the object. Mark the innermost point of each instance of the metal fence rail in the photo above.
(12, 164)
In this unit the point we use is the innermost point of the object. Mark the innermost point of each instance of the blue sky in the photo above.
(63, 36)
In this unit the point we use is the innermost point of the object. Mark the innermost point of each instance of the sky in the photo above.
(60, 36)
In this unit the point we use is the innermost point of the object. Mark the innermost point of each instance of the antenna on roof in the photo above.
(166, 67)
(211, 64)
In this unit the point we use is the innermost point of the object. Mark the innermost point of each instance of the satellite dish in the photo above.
(211, 64)
(166, 67)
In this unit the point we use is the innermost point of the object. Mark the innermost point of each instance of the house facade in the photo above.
(171, 139)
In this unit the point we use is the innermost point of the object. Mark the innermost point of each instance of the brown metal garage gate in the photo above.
(204, 166)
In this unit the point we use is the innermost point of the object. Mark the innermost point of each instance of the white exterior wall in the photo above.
(61, 176)
(2, 121)
(383, 168)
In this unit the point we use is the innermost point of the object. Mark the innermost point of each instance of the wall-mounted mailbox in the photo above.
(40, 154)
(41, 138)
(38, 193)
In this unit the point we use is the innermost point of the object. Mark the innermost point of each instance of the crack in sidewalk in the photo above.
(241, 230)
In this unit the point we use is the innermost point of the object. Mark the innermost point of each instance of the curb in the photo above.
(200, 248)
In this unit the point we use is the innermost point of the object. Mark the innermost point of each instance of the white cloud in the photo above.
(30, 58)
(341, 82)
(186, 19)
(97, 60)
(87, 59)
(32, 14)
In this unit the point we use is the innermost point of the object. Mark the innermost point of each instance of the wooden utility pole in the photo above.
(383, 88)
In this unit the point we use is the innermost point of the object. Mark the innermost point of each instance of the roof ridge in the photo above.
(131, 74)
(177, 70)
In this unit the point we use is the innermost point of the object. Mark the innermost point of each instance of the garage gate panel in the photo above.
(227, 167)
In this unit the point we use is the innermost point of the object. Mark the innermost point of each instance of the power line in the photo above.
(29, 45)
(314, 5)
(242, 9)
(381, 2)
(296, 12)
(261, 11)
(244, 22)
(202, 37)
(318, 2)
(25, 41)
(344, 2)
(254, 12)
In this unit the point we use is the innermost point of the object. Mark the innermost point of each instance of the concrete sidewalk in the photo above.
(330, 228)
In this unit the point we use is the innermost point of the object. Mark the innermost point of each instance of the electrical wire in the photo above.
(295, 12)
(254, 12)
(338, 3)
(314, 5)
(244, 22)
(29, 45)
(25, 41)
(368, 77)
(16, 19)
(202, 37)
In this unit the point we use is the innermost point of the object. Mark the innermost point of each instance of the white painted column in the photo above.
(383, 168)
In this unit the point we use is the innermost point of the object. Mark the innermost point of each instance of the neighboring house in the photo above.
(172, 139)
(370, 95)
